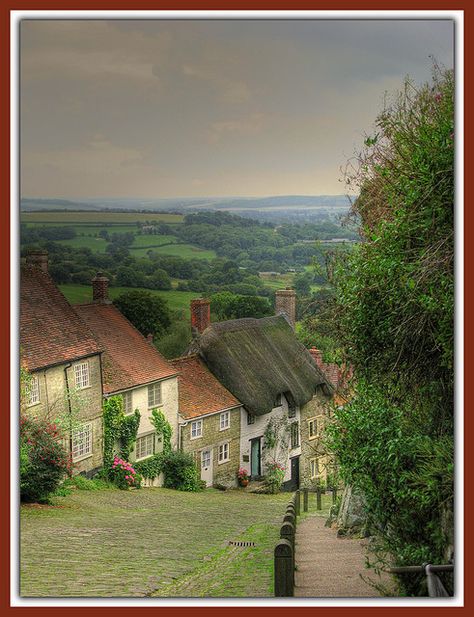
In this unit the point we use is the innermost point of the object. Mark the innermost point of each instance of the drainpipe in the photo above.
(180, 434)
(68, 366)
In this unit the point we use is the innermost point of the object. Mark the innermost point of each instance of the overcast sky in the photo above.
(155, 109)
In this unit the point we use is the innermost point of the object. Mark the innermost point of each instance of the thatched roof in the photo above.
(258, 359)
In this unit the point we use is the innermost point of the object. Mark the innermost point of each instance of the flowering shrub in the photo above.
(242, 474)
(44, 461)
(123, 475)
(274, 477)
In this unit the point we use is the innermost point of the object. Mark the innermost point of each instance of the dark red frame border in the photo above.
(342, 5)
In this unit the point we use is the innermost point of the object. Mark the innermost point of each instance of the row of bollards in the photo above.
(285, 549)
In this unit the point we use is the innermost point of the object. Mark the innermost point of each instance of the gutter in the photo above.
(68, 366)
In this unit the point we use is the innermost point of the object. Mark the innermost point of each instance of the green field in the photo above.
(148, 240)
(177, 300)
(70, 218)
(186, 251)
(278, 282)
(97, 245)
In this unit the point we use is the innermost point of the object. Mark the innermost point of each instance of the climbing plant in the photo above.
(151, 467)
(120, 431)
(163, 428)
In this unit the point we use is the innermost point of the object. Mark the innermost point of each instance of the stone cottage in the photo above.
(210, 422)
(265, 367)
(319, 467)
(133, 369)
(64, 361)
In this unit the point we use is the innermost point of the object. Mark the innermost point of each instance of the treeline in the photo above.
(252, 244)
(79, 266)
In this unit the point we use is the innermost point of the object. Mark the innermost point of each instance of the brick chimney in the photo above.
(285, 304)
(200, 315)
(38, 258)
(100, 289)
(317, 356)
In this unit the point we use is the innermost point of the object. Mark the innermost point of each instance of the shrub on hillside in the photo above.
(180, 471)
(43, 459)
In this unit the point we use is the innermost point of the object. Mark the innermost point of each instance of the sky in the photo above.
(190, 108)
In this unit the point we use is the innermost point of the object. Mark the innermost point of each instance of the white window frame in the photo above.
(127, 397)
(33, 391)
(318, 423)
(223, 453)
(84, 433)
(294, 426)
(224, 420)
(153, 388)
(317, 470)
(196, 429)
(147, 436)
(208, 450)
(82, 377)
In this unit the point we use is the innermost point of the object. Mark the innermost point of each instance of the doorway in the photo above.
(206, 466)
(255, 456)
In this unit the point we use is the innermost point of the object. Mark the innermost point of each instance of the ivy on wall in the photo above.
(151, 467)
(120, 431)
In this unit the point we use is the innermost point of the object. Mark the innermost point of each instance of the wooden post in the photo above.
(287, 532)
(289, 518)
(298, 502)
(334, 494)
(284, 569)
(305, 500)
(318, 498)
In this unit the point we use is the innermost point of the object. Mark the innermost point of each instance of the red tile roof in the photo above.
(200, 392)
(337, 375)
(129, 360)
(51, 332)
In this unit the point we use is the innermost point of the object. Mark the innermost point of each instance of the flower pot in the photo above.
(243, 482)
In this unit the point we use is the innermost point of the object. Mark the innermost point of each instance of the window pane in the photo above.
(82, 441)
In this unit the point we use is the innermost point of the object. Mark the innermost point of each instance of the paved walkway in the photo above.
(329, 566)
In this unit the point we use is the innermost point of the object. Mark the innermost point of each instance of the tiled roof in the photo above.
(129, 360)
(200, 392)
(338, 376)
(51, 332)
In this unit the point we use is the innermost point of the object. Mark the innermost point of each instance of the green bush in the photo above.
(43, 459)
(82, 483)
(180, 471)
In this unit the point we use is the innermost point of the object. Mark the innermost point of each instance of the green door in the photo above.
(255, 469)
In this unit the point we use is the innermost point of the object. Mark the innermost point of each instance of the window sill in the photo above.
(226, 428)
(33, 405)
(197, 437)
(223, 462)
(82, 458)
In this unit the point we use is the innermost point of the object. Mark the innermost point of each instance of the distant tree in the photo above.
(226, 305)
(159, 280)
(103, 233)
(147, 312)
(130, 277)
(303, 284)
(60, 273)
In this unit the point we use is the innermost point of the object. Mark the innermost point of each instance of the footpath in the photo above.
(328, 566)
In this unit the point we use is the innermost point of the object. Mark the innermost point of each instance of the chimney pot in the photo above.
(149, 338)
(200, 315)
(285, 304)
(100, 289)
(38, 258)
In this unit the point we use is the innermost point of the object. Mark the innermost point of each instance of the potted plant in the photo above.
(243, 476)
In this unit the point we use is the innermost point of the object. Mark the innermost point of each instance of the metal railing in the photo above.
(436, 589)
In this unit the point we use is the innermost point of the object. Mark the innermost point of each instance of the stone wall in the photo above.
(212, 436)
(86, 404)
(312, 447)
